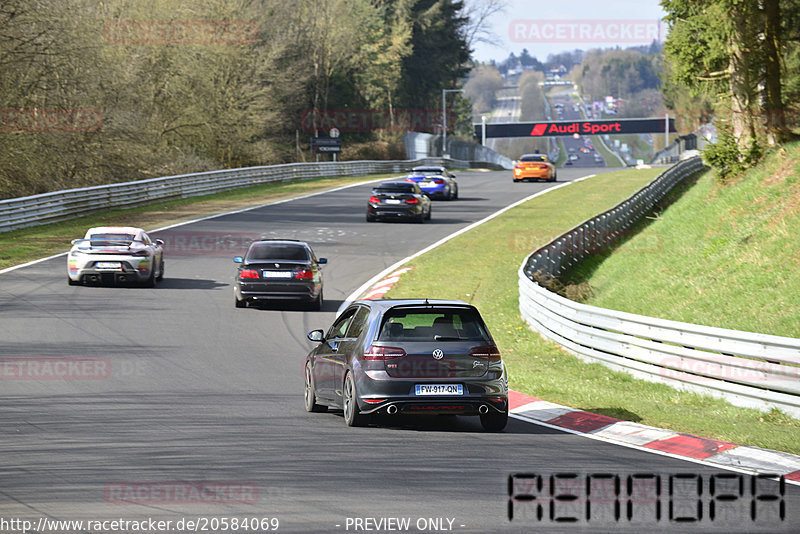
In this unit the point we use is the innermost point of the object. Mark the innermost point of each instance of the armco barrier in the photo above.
(59, 205)
(748, 369)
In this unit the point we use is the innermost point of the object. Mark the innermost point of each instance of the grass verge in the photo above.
(28, 244)
(481, 267)
(719, 254)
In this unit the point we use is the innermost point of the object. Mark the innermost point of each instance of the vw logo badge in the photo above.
(277, 265)
(438, 354)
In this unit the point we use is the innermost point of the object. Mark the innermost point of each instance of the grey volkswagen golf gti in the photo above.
(407, 356)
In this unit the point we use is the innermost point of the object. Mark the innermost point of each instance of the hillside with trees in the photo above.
(100, 92)
(744, 58)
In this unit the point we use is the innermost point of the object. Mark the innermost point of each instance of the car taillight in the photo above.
(142, 253)
(376, 353)
(305, 274)
(374, 200)
(412, 201)
(410, 180)
(485, 351)
(438, 180)
(248, 273)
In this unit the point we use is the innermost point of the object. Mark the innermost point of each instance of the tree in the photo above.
(440, 53)
(733, 50)
(482, 86)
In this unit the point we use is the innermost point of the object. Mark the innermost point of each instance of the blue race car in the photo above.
(435, 182)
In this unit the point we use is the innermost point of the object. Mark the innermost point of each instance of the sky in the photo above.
(551, 26)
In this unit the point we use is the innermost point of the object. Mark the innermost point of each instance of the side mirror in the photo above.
(160, 242)
(322, 261)
(238, 259)
(316, 335)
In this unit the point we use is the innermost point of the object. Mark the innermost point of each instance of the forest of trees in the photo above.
(98, 92)
(741, 59)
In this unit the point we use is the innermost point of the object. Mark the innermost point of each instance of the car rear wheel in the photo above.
(455, 195)
(428, 216)
(72, 282)
(352, 415)
(240, 303)
(311, 394)
(161, 271)
(494, 421)
(316, 304)
(370, 218)
(151, 280)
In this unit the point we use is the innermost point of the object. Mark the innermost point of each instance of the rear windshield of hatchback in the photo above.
(431, 324)
(267, 251)
(533, 158)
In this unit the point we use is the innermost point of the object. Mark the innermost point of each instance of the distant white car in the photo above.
(116, 254)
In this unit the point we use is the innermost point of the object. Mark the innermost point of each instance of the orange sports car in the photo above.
(534, 167)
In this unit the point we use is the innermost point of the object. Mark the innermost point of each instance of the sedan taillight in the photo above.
(248, 273)
(374, 200)
(412, 201)
(377, 353)
(305, 274)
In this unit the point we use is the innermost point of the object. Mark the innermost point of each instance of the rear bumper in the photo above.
(260, 291)
(393, 212)
(107, 276)
(531, 175)
(438, 192)
(377, 393)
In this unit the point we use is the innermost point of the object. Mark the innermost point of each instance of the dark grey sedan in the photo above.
(279, 269)
(398, 200)
(410, 357)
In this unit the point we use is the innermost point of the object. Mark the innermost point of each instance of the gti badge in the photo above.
(438, 354)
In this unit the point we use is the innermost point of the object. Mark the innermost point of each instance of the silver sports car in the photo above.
(116, 254)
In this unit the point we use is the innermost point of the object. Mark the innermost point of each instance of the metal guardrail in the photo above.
(748, 369)
(51, 207)
(419, 145)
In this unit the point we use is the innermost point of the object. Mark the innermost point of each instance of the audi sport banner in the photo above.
(562, 128)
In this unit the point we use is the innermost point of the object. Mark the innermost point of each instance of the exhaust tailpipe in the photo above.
(483, 409)
(391, 410)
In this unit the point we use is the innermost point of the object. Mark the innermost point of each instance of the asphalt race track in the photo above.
(190, 391)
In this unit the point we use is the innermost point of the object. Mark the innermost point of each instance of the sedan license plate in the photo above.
(426, 184)
(276, 274)
(439, 389)
(392, 201)
(108, 265)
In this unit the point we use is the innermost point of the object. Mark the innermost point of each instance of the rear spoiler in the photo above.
(109, 242)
